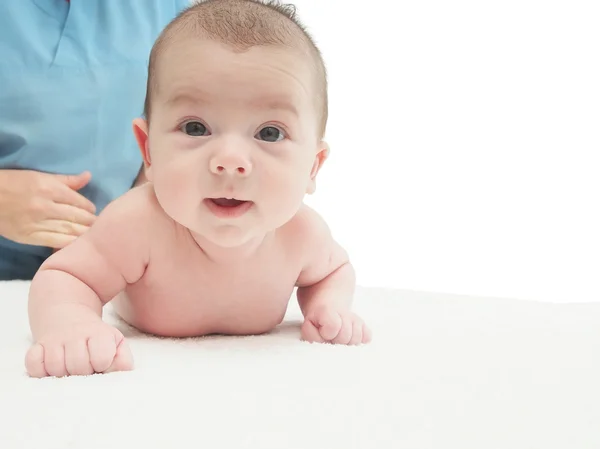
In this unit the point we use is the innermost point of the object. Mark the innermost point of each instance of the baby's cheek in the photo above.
(175, 184)
(179, 172)
(288, 192)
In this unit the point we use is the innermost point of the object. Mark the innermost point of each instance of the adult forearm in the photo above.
(7, 177)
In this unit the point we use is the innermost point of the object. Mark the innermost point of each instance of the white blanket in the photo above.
(442, 372)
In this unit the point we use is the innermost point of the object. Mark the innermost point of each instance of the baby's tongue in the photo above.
(224, 202)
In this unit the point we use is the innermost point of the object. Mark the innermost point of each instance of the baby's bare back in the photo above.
(184, 293)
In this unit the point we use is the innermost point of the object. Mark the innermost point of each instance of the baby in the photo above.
(217, 239)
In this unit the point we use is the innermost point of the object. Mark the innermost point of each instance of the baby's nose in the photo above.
(230, 164)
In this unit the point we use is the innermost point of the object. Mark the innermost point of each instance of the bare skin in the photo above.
(218, 237)
(174, 287)
(44, 209)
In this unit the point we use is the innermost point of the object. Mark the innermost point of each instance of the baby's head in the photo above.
(236, 107)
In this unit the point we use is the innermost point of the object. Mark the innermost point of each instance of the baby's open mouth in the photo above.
(228, 207)
(227, 202)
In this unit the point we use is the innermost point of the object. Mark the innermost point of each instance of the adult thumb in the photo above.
(75, 182)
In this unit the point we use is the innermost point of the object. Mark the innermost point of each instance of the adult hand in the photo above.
(44, 209)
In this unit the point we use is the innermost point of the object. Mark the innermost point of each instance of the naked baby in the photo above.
(217, 239)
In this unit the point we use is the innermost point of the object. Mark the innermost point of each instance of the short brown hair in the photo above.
(242, 24)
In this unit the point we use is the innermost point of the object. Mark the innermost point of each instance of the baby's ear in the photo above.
(320, 158)
(140, 131)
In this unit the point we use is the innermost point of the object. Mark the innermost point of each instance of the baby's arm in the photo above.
(69, 290)
(326, 287)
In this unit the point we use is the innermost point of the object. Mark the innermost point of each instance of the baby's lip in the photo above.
(228, 207)
(227, 201)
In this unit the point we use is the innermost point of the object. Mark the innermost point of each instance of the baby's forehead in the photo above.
(206, 48)
(276, 75)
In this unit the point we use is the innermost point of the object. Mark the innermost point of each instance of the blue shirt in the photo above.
(72, 79)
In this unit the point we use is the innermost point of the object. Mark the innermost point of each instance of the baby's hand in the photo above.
(331, 325)
(83, 349)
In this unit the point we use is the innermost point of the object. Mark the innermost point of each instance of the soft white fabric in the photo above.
(443, 372)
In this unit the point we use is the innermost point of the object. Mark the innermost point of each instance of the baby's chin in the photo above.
(228, 236)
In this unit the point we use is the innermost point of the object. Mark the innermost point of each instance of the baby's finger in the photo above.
(357, 332)
(367, 334)
(54, 360)
(330, 324)
(34, 361)
(77, 358)
(345, 333)
(102, 350)
(310, 333)
(123, 360)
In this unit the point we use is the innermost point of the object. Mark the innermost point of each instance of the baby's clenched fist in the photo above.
(83, 349)
(332, 325)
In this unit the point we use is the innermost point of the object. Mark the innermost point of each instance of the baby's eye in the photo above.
(194, 129)
(270, 134)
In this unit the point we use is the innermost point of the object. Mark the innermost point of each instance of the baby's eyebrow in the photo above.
(270, 103)
(276, 104)
(185, 98)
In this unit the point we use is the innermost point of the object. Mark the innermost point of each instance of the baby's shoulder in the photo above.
(306, 225)
(136, 207)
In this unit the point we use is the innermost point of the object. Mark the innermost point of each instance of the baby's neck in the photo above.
(232, 255)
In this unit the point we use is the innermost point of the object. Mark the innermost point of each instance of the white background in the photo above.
(465, 144)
